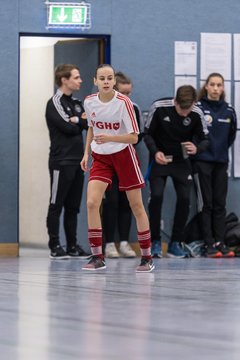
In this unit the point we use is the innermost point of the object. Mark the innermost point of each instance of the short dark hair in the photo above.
(63, 70)
(186, 95)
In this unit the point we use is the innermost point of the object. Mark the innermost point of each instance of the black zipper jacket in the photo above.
(166, 129)
(66, 138)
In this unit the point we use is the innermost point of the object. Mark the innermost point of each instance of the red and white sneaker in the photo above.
(95, 263)
(145, 266)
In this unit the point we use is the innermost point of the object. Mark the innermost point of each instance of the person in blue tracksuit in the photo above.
(212, 164)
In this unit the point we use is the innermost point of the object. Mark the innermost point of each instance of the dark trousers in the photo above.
(116, 214)
(213, 179)
(66, 192)
(182, 181)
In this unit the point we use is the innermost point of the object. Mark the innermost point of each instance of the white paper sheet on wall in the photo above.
(236, 56)
(185, 57)
(236, 162)
(216, 54)
(185, 80)
(237, 101)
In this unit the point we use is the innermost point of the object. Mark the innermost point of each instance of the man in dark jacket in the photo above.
(172, 125)
(65, 120)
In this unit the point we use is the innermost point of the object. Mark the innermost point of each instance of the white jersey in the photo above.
(116, 117)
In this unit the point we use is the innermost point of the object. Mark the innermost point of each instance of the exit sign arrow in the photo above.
(62, 16)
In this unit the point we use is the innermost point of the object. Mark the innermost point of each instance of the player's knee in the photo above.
(92, 204)
(137, 208)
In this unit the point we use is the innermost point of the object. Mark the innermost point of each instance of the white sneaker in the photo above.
(126, 250)
(111, 251)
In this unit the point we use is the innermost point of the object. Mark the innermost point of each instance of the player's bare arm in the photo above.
(126, 138)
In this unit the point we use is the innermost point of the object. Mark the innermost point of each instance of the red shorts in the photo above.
(124, 164)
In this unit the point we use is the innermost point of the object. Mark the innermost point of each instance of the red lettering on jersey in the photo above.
(116, 126)
(100, 125)
(105, 125)
(108, 126)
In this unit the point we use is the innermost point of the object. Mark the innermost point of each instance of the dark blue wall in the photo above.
(9, 122)
(142, 38)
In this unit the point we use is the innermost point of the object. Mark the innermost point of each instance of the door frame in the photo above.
(104, 57)
(104, 42)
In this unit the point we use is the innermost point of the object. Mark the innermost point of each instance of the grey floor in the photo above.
(185, 309)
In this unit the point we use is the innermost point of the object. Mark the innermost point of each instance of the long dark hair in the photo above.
(203, 92)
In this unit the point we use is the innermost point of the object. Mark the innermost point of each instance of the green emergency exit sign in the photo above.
(62, 14)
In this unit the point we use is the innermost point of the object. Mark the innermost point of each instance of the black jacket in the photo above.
(167, 130)
(66, 138)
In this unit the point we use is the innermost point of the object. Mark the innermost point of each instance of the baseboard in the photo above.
(9, 249)
(136, 247)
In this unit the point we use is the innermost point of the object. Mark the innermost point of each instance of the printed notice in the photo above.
(236, 172)
(185, 80)
(185, 58)
(236, 42)
(216, 54)
(237, 101)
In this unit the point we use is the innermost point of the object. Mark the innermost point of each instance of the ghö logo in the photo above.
(105, 125)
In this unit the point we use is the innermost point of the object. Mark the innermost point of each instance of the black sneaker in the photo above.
(58, 253)
(76, 251)
(213, 252)
(226, 252)
(96, 263)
